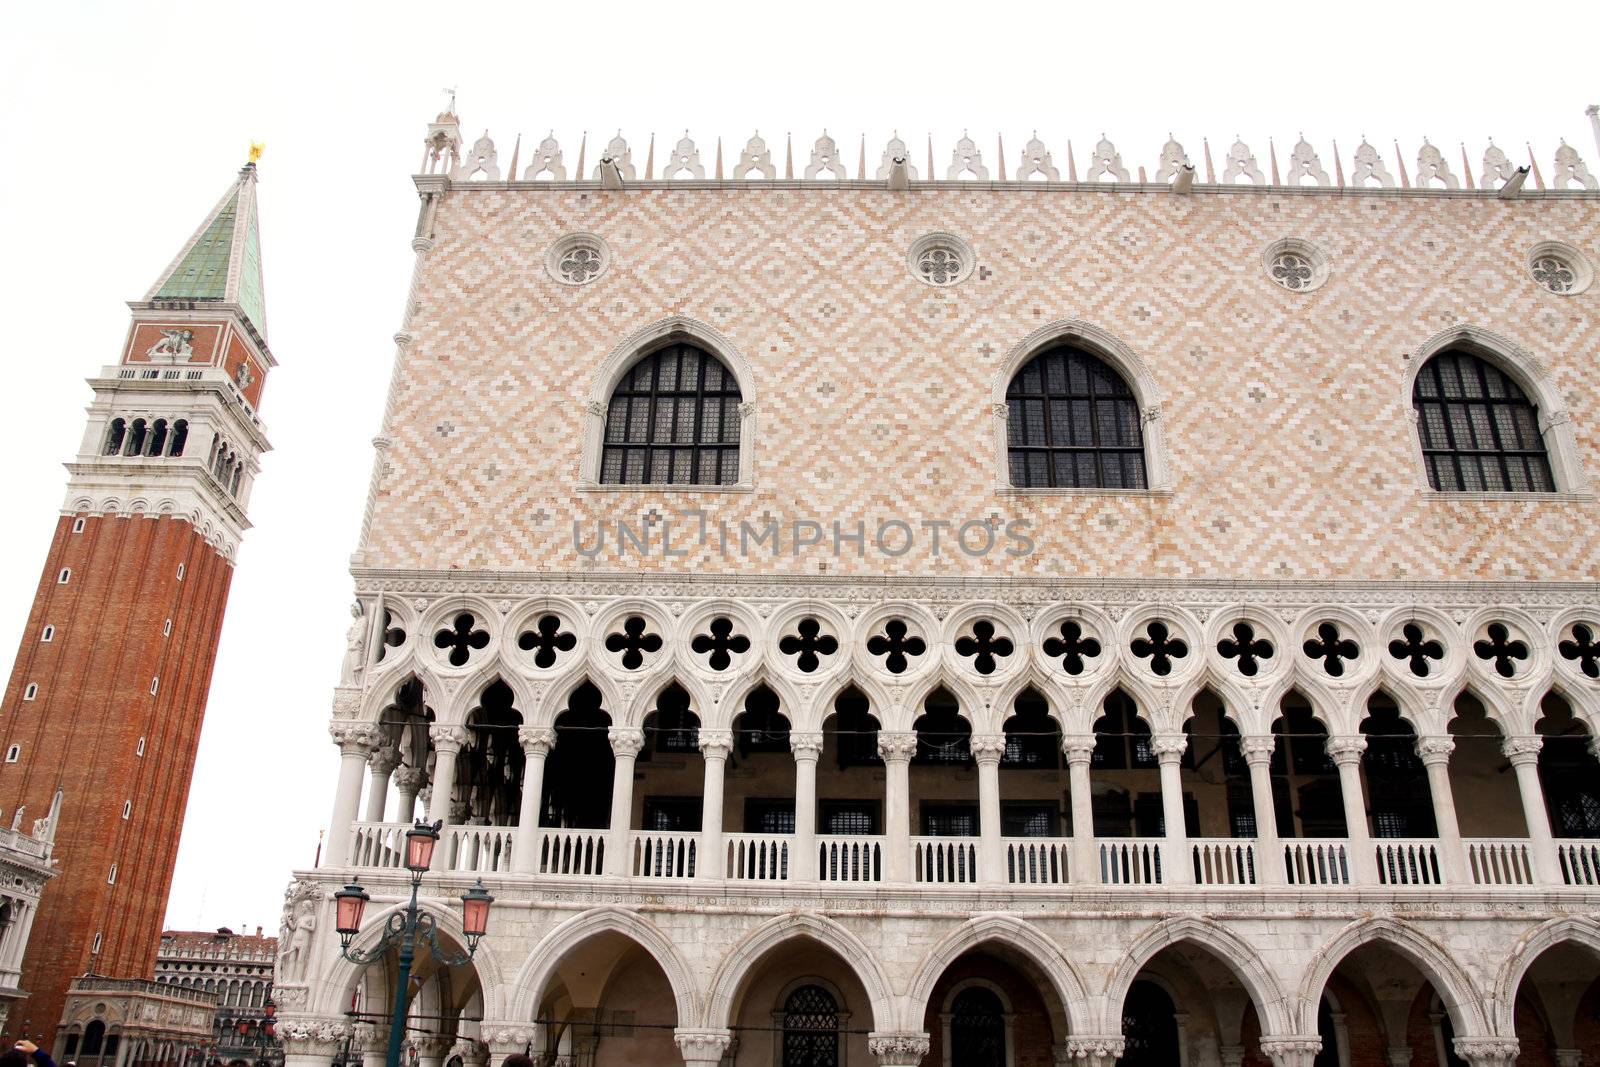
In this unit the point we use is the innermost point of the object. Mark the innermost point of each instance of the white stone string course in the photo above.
(1306, 164)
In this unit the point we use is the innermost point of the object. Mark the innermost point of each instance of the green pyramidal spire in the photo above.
(222, 261)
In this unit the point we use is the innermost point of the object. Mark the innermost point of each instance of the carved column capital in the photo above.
(1258, 749)
(702, 1047)
(354, 738)
(1522, 748)
(410, 779)
(987, 748)
(1096, 1050)
(447, 738)
(1346, 749)
(1079, 747)
(1291, 1050)
(716, 744)
(310, 1035)
(505, 1038)
(806, 744)
(536, 740)
(1488, 1051)
(905, 1049)
(896, 746)
(384, 760)
(1169, 748)
(625, 740)
(1432, 749)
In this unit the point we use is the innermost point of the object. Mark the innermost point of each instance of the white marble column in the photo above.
(987, 749)
(807, 749)
(355, 741)
(1269, 850)
(897, 748)
(1177, 868)
(408, 782)
(506, 1039)
(715, 745)
(537, 741)
(1080, 795)
(431, 1048)
(448, 741)
(625, 745)
(382, 763)
(1523, 752)
(1346, 752)
(1435, 754)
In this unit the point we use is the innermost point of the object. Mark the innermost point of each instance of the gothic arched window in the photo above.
(810, 1028)
(180, 437)
(1479, 430)
(673, 420)
(1072, 422)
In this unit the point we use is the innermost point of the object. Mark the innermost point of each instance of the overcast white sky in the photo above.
(123, 122)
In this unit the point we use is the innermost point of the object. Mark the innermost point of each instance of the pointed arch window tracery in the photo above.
(673, 419)
(1072, 422)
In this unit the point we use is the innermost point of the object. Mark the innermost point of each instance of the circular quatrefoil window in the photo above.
(1296, 265)
(1559, 268)
(941, 260)
(577, 259)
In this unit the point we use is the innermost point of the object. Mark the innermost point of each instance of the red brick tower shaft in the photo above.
(106, 698)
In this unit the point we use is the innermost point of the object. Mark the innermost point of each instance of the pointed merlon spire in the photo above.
(583, 146)
(1338, 167)
(221, 261)
(861, 164)
(930, 155)
(516, 149)
(719, 159)
(650, 160)
(1272, 150)
(1072, 164)
(1211, 172)
(1000, 147)
(788, 155)
(1538, 179)
(1466, 168)
(1405, 179)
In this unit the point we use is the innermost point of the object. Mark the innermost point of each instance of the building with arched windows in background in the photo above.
(880, 614)
(235, 972)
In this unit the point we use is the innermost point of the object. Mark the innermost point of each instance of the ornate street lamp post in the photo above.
(404, 927)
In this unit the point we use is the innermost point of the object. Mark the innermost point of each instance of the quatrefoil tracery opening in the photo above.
(984, 646)
(549, 639)
(1582, 649)
(1332, 649)
(393, 635)
(1501, 649)
(1072, 647)
(1416, 649)
(633, 642)
(808, 644)
(722, 644)
(897, 645)
(461, 638)
(1160, 647)
(1245, 647)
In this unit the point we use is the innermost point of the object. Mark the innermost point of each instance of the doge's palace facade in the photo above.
(853, 612)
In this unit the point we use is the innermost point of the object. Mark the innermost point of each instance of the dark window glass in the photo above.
(678, 814)
(850, 817)
(810, 1028)
(673, 420)
(977, 1029)
(1073, 423)
(762, 816)
(1023, 818)
(950, 820)
(1479, 430)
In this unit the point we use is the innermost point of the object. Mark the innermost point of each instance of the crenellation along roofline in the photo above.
(434, 183)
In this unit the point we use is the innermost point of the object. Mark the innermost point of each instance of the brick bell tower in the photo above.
(102, 715)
